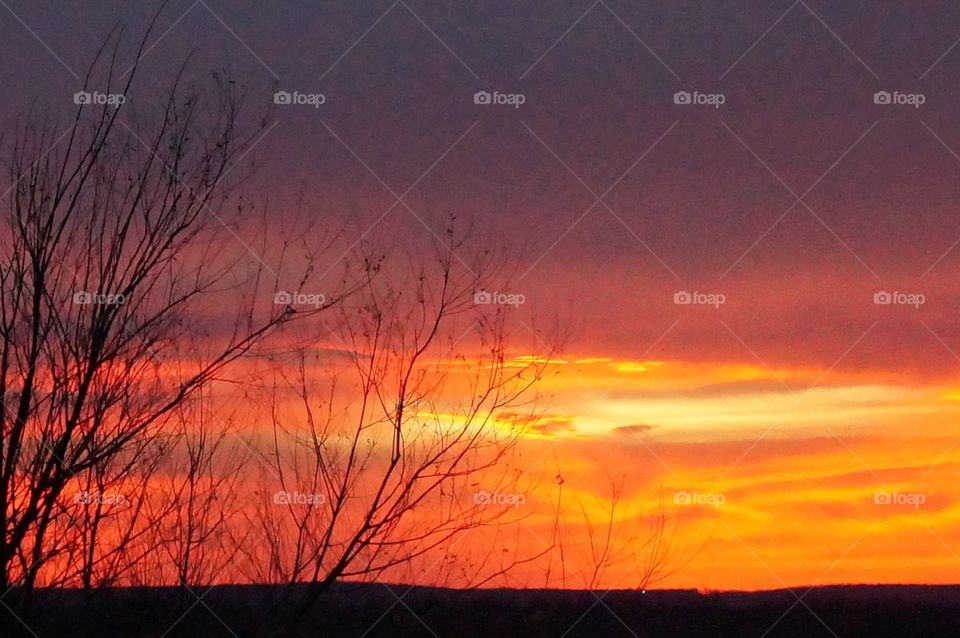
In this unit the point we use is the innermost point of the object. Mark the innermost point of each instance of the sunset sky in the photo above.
(797, 399)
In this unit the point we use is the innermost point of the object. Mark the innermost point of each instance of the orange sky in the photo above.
(785, 466)
(768, 477)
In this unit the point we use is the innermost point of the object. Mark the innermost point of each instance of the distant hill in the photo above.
(398, 611)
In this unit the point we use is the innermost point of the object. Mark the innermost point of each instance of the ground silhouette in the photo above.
(373, 610)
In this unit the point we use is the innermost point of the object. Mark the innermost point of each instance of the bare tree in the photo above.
(104, 526)
(398, 444)
(613, 541)
(596, 546)
(193, 500)
(112, 257)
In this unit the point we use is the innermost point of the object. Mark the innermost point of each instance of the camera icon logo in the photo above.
(882, 298)
(682, 97)
(881, 498)
(482, 298)
(882, 97)
(82, 97)
(282, 97)
(482, 97)
(682, 498)
(282, 298)
(682, 298)
(82, 298)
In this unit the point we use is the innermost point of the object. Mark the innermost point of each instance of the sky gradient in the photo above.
(797, 396)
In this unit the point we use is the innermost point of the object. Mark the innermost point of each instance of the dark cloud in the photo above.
(553, 427)
(545, 424)
(632, 430)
